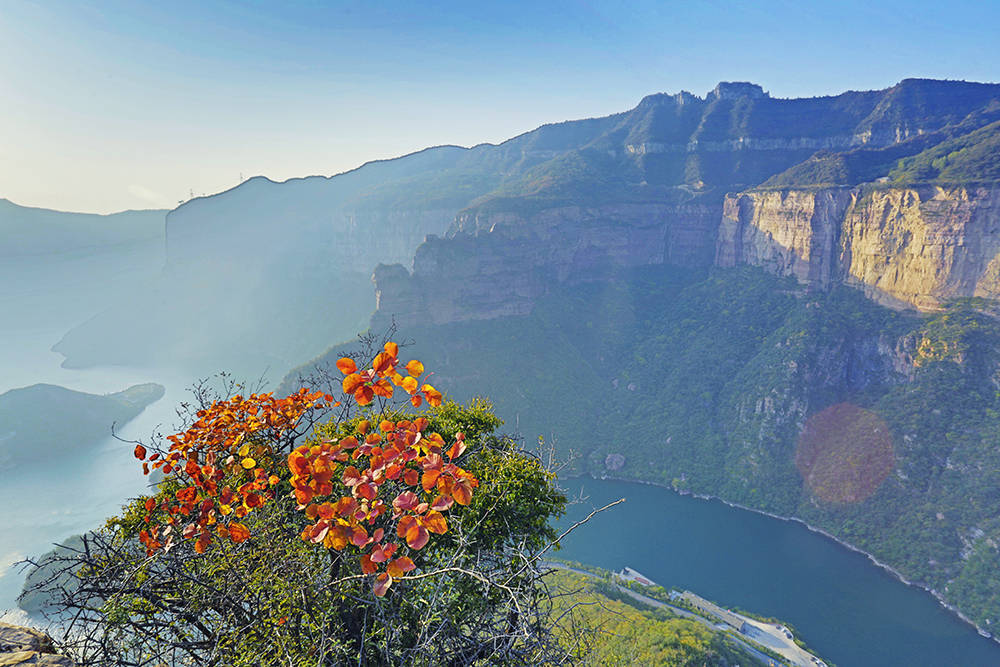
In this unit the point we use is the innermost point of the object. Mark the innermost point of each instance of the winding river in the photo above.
(846, 608)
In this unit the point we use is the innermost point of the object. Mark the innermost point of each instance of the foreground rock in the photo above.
(26, 646)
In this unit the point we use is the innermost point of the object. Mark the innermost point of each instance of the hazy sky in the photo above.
(116, 104)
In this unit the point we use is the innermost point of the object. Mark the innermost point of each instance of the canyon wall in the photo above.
(497, 264)
(905, 247)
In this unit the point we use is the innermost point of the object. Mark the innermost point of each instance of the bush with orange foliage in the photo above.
(227, 464)
(318, 529)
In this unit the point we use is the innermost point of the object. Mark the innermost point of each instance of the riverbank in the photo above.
(850, 547)
(741, 640)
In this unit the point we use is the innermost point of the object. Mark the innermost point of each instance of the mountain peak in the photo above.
(732, 90)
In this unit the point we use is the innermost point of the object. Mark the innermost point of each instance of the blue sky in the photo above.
(121, 104)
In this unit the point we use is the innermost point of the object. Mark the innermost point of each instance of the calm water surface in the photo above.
(846, 608)
(45, 502)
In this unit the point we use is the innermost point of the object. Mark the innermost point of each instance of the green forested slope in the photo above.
(706, 382)
(601, 626)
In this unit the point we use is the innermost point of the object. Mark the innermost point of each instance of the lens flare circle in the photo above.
(844, 453)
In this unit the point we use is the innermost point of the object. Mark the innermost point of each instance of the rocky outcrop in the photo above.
(905, 247)
(922, 246)
(26, 646)
(787, 233)
(498, 264)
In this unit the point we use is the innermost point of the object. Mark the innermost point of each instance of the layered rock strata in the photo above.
(499, 264)
(905, 247)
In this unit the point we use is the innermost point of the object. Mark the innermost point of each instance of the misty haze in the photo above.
(468, 335)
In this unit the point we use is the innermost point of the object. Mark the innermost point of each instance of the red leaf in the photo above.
(382, 584)
(407, 500)
(368, 564)
(367, 491)
(140, 452)
(442, 503)
(359, 537)
(351, 476)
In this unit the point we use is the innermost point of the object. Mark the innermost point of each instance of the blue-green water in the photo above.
(849, 610)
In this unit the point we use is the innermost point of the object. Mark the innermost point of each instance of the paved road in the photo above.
(652, 602)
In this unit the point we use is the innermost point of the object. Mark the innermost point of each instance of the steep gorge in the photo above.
(621, 282)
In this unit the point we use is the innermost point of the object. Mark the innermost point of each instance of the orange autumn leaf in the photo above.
(400, 566)
(238, 533)
(409, 385)
(364, 395)
(461, 491)
(392, 349)
(351, 383)
(432, 394)
(435, 522)
(429, 479)
(383, 364)
(346, 365)
(415, 368)
(139, 452)
(456, 449)
(383, 388)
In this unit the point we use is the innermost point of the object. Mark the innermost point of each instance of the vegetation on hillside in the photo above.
(602, 626)
(705, 383)
(27, 428)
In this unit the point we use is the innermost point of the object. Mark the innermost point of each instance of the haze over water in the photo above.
(53, 498)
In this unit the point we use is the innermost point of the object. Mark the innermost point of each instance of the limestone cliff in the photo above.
(499, 264)
(905, 247)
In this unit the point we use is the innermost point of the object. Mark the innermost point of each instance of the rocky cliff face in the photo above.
(905, 247)
(499, 264)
